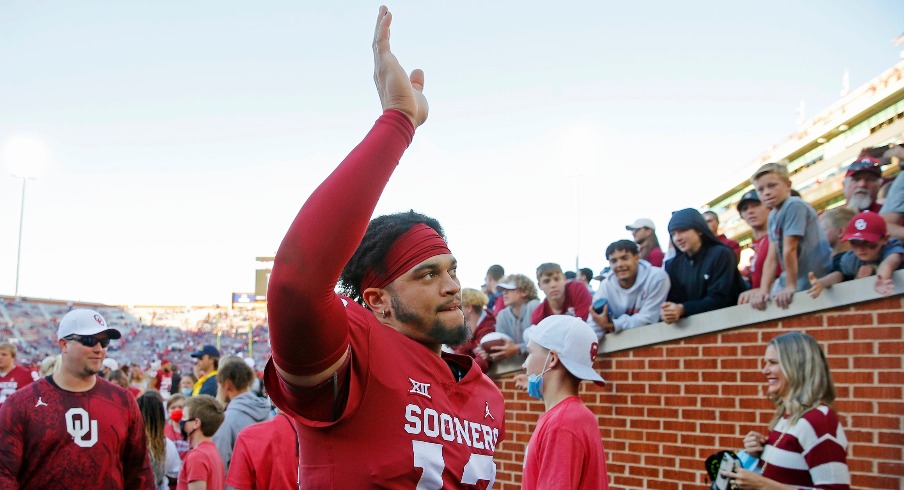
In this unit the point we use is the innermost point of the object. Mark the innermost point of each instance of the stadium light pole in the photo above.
(26, 157)
(577, 214)
(21, 220)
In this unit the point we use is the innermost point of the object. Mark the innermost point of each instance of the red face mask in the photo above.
(176, 415)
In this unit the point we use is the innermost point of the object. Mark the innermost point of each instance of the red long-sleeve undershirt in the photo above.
(308, 323)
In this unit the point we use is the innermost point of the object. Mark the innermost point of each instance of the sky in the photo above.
(177, 140)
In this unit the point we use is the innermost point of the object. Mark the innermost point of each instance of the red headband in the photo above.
(417, 244)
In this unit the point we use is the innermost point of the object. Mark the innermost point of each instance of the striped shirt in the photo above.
(811, 454)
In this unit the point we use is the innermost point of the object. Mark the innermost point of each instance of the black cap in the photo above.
(748, 196)
(209, 350)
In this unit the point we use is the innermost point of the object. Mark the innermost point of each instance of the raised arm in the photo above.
(308, 323)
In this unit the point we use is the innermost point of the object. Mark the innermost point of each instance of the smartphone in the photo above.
(599, 304)
(728, 463)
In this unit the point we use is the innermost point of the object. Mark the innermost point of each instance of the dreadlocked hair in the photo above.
(381, 233)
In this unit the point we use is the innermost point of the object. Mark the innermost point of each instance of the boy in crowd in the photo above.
(834, 222)
(703, 273)
(562, 297)
(796, 241)
(585, 275)
(634, 292)
(520, 296)
(494, 297)
(203, 467)
(243, 407)
(712, 221)
(565, 450)
(756, 216)
(12, 376)
(872, 252)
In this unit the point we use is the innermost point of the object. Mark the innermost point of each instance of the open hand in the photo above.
(397, 90)
(816, 286)
(884, 286)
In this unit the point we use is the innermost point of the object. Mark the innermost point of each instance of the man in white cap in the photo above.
(74, 429)
(565, 450)
(109, 365)
(644, 232)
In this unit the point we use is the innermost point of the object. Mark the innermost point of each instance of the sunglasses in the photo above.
(864, 164)
(89, 341)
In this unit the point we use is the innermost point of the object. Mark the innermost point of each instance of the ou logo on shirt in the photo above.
(78, 425)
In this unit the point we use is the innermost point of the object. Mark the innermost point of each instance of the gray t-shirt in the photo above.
(797, 218)
(894, 202)
(514, 327)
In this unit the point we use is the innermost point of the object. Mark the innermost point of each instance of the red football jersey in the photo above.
(407, 423)
(15, 379)
(52, 438)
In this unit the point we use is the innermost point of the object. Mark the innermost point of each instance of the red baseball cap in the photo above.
(866, 226)
(865, 164)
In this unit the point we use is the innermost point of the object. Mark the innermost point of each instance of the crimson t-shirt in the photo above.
(758, 261)
(566, 450)
(577, 303)
(17, 378)
(266, 455)
(203, 463)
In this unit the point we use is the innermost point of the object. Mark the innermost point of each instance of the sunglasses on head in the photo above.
(89, 341)
(864, 164)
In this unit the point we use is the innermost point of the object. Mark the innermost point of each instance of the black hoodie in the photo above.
(707, 280)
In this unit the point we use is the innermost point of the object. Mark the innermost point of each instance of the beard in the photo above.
(860, 200)
(437, 330)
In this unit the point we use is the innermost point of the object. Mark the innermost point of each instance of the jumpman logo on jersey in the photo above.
(488, 414)
(419, 388)
(40, 403)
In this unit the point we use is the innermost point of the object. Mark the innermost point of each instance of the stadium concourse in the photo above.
(149, 333)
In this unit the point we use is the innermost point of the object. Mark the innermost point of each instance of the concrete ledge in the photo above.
(841, 294)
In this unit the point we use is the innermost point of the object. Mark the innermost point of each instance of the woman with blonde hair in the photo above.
(806, 446)
(480, 321)
(50, 365)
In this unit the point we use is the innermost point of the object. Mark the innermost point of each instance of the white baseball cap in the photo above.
(85, 322)
(641, 223)
(111, 364)
(574, 342)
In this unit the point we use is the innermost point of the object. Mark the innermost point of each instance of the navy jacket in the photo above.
(707, 280)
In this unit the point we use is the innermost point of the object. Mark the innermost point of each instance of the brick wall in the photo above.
(670, 405)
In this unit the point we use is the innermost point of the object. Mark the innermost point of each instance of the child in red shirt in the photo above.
(203, 467)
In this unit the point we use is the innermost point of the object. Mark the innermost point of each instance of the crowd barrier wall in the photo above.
(678, 393)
